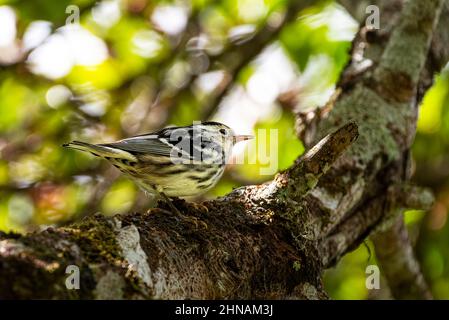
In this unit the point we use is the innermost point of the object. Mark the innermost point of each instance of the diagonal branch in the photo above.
(395, 254)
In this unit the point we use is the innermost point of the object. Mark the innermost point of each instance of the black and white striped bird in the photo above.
(172, 162)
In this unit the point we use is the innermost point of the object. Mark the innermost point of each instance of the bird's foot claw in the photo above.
(194, 220)
(187, 218)
(200, 207)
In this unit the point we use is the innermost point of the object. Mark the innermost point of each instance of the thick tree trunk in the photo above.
(266, 241)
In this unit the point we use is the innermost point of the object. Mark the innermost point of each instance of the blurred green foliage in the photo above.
(129, 72)
(431, 157)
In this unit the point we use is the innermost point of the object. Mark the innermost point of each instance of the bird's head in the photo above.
(225, 132)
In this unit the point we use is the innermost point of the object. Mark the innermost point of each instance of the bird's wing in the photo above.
(149, 144)
(178, 142)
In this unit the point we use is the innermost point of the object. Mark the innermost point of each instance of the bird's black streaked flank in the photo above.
(173, 162)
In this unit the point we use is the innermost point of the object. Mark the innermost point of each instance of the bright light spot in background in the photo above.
(88, 50)
(53, 59)
(82, 179)
(274, 66)
(274, 73)
(275, 19)
(95, 101)
(209, 81)
(178, 75)
(170, 19)
(262, 89)
(58, 95)
(107, 13)
(20, 209)
(26, 170)
(251, 10)
(147, 43)
(143, 95)
(241, 113)
(35, 34)
(242, 33)
(197, 43)
(69, 46)
(7, 26)
(315, 90)
(342, 27)
(10, 51)
(94, 109)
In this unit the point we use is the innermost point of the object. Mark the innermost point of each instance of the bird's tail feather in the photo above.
(100, 150)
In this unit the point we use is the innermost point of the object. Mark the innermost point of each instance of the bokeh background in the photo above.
(135, 66)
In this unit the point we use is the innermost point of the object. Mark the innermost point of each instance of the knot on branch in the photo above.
(401, 197)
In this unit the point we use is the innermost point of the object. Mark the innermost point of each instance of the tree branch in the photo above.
(395, 254)
(395, 82)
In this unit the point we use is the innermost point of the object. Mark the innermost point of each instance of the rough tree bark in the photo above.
(393, 248)
(272, 240)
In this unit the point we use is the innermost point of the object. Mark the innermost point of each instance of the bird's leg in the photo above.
(159, 193)
(170, 203)
(194, 220)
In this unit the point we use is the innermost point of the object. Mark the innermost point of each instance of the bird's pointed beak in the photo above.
(242, 137)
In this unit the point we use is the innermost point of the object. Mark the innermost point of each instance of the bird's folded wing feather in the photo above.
(149, 145)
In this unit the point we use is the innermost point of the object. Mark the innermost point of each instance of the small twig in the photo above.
(410, 196)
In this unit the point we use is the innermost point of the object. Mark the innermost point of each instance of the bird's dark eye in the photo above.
(222, 131)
